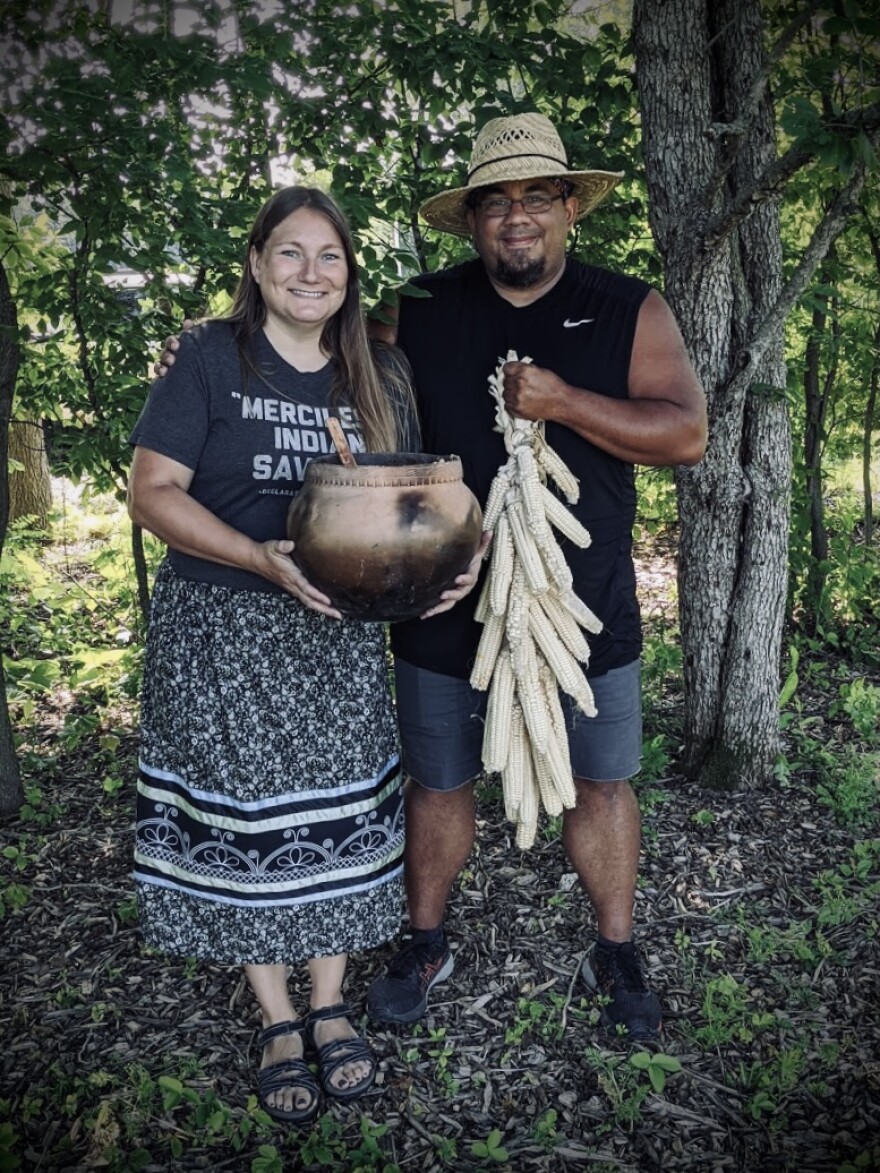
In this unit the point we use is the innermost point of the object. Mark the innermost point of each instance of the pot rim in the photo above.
(384, 469)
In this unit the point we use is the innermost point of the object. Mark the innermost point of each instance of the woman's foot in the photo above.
(346, 1064)
(287, 1088)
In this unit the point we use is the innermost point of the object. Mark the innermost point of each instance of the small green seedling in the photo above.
(658, 1066)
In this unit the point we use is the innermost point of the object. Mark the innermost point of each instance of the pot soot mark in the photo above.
(411, 509)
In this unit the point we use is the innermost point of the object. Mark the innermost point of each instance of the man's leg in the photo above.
(602, 837)
(441, 737)
(440, 830)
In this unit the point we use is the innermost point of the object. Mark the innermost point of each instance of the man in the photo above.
(613, 381)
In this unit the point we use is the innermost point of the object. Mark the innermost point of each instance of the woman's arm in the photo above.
(159, 500)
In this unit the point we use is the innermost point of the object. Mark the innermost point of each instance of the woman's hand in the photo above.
(464, 583)
(273, 561)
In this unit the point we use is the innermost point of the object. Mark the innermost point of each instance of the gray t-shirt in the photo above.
(247, 438)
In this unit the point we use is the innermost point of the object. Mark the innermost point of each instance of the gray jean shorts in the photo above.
(441, 727)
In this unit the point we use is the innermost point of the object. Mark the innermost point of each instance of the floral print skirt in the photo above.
(269, 807)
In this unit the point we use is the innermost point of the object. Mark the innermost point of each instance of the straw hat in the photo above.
(524, 146)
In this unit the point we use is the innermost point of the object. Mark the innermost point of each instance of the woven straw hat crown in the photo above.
(521, 147)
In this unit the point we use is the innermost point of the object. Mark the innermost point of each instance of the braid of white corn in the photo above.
(532, 644)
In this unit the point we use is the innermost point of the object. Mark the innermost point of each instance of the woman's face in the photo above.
(301, 271)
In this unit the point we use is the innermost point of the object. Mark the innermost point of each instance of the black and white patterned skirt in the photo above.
(269, 809)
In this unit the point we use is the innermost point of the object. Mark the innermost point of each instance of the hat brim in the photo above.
(448, 210)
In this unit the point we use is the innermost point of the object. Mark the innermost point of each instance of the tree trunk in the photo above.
(870, 414)
(816, 410)
(30, 488)
(867, 442)
(697, 62)
(141, 576)
(11, 792)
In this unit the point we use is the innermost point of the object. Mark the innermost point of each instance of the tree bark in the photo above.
(816, 400)
(30, 488)
(708, 134)
(713, 175)
(141, 575)
(871, 413)
(11, 791)
(868, 444)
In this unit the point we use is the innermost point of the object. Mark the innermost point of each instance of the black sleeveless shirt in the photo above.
(582, 330)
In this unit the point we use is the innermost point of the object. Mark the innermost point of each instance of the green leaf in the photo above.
(413, 290)
(791, 681)
(667, 1063)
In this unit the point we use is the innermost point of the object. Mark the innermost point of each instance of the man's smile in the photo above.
(520, 241)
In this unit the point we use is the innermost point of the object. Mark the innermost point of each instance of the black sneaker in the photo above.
(402, 994)
(617, 974)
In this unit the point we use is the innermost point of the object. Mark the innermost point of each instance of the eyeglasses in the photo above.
(532, 204)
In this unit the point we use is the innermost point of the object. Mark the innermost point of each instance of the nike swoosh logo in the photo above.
(583, 322)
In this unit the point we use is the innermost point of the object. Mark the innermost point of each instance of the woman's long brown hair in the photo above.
(382, 396)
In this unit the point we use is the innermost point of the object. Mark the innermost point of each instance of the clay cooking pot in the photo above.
(385, 538)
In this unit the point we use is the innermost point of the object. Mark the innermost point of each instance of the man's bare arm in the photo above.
(169, 351)
(384, 331)
(663, 421)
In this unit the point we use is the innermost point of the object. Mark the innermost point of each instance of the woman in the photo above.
(269, 823)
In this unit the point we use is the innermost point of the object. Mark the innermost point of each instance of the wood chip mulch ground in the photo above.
(761, 943)
(758, 914)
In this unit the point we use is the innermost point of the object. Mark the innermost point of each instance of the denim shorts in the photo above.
(441, 727)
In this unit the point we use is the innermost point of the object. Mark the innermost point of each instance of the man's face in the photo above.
(522, 249)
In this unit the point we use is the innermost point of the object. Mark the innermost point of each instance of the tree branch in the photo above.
(779, 172)
(735, 132)
(829, 228)
(765, 185)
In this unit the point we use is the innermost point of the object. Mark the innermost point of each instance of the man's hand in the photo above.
(464, 583)
(273, 561)
(166, 361)
(532, 392)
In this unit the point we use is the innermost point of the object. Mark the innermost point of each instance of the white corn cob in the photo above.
(558, 757)
(555, 467)
(566, 626)
(481, 611)
(530, 488)
(551, 799)
(527, 549)
(516, 621)
(532, 640)
(491, 638)
(528, 694)
(580, 611)
(558, 516)
(514, 776)
(555, 565)
(495, 501)
(527, 824)
(560, 661)
(555, 712)
(501, 567)
(499, 707)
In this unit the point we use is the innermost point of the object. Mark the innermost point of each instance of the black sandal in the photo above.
(292, 1073)
(339, 1052)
